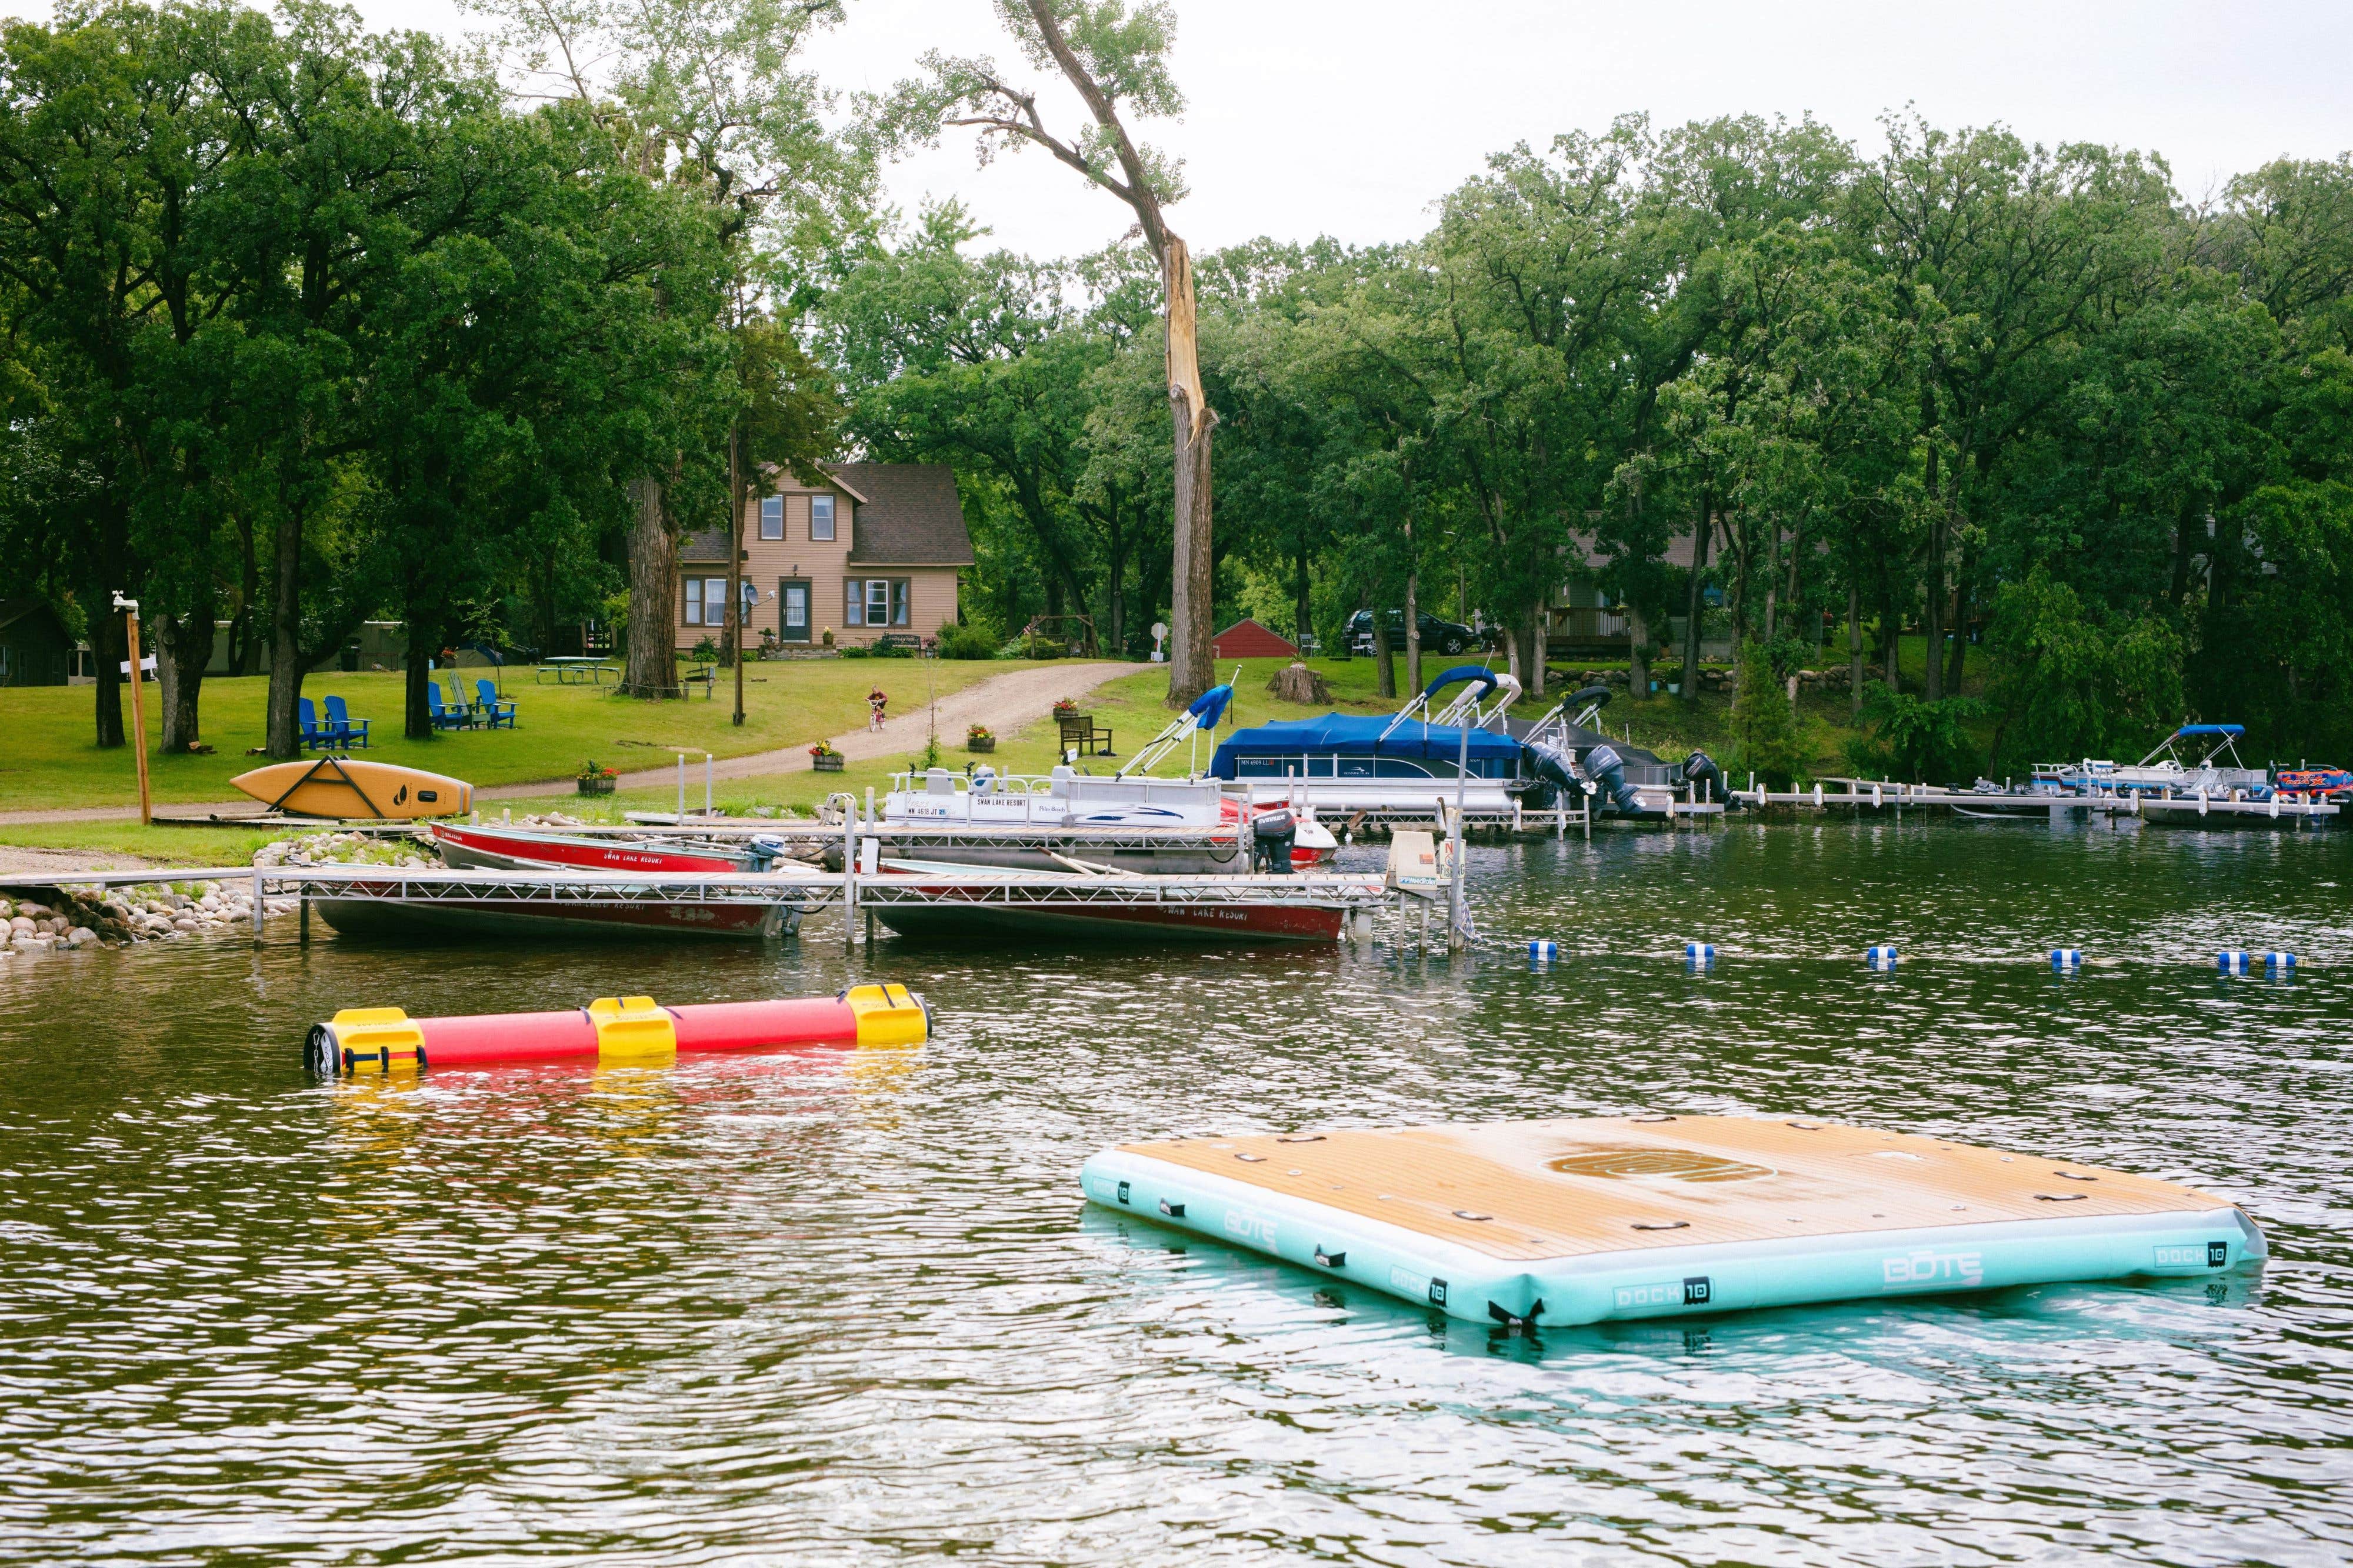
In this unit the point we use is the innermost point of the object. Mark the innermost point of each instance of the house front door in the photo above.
(793, 595)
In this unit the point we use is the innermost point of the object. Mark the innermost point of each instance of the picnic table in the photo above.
(573, 670)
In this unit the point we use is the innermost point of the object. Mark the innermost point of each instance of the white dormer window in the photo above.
(772, 517)
(820, 517)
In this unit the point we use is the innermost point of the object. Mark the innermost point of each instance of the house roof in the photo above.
(912, 515)
(908, 514)
(14, 610)
(1248, 639)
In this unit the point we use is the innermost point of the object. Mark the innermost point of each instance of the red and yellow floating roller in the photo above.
(636, 1029)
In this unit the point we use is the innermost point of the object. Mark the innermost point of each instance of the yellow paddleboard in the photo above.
(349, 787)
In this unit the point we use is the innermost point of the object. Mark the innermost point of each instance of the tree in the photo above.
(1112, 53)
(705, 95)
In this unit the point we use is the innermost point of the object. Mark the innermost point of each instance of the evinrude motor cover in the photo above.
(1272, 834)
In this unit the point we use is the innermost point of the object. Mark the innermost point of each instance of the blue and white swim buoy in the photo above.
(2066, 960)
(1541, 950)
(1699, 954)
(2231, 960)
(1881, 957)
(2280, 962)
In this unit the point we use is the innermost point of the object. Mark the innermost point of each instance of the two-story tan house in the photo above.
(874, 551)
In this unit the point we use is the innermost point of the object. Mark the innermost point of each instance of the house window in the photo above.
(820, 517)
(706, 601)
(772, 517)
(877, 601)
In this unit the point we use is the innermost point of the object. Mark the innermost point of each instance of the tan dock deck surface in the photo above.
(1529, 1190)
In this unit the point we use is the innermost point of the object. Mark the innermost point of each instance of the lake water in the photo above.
(850, 1307)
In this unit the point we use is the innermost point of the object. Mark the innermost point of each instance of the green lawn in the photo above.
(49, 760)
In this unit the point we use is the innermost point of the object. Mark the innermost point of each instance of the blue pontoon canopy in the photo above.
(2233, 731)
(1337, 734)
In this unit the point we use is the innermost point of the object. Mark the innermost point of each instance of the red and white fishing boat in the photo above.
(517, 848)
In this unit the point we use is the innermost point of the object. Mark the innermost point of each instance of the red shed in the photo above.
(1247, 639)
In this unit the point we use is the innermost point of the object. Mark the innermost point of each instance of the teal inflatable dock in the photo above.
(1580, 1221)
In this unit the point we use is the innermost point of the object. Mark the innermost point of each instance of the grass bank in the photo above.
(49, 760)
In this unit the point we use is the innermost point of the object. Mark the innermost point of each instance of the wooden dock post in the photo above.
(849, 873)
(260, 904)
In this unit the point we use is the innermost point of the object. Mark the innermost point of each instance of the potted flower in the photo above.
(827, 760)
(594, 780)
(1066, 709)
(979, 738)
(829, 637)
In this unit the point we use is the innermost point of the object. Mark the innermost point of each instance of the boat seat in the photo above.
(939, 781)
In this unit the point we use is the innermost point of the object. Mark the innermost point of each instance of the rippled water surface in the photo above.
(850, 1307)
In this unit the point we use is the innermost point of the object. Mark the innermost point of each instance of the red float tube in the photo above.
(613, 1029)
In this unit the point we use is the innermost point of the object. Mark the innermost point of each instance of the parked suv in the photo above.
(1446, 636)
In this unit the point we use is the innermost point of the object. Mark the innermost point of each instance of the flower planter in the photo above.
(830, 763)
(980, 743)
(595, 786)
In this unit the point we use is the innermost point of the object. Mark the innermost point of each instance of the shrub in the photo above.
(966, 642)
(1764, 725)
(851, 650)
(1915, 740)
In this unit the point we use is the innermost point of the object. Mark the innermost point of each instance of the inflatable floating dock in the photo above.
(1578, 1221)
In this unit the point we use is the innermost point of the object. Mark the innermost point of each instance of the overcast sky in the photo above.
(1351, 117)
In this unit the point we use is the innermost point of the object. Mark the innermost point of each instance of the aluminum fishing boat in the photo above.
(942, 900)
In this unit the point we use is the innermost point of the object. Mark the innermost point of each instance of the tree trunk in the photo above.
(735, 628)
(285, 724)
(183, 645)
(1696, 606)
(1412, 617)
(2185, 546)
(1191, 420)
(1854, 653)
(245, 636)
(652, 667)
(1532, 660)
(1303, 606)
(1384, 656)
(1959, 659)
(1772, 579)
(109, 648)
(1638, 652)
(1891, 645)
(423, 645)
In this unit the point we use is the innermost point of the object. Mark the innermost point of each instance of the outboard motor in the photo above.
(1609, 770)
(763, 853)
(1699, 767)
(1272, 834)
(1556, 777)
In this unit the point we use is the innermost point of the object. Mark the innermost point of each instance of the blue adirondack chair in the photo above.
(443, 718)
(313, 733)
(345, 729)
(495, 710)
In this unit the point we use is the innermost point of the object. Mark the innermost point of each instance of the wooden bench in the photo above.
(1080, 733)
(907, 640)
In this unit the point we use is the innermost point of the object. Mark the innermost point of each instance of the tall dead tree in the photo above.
(1109, 51)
